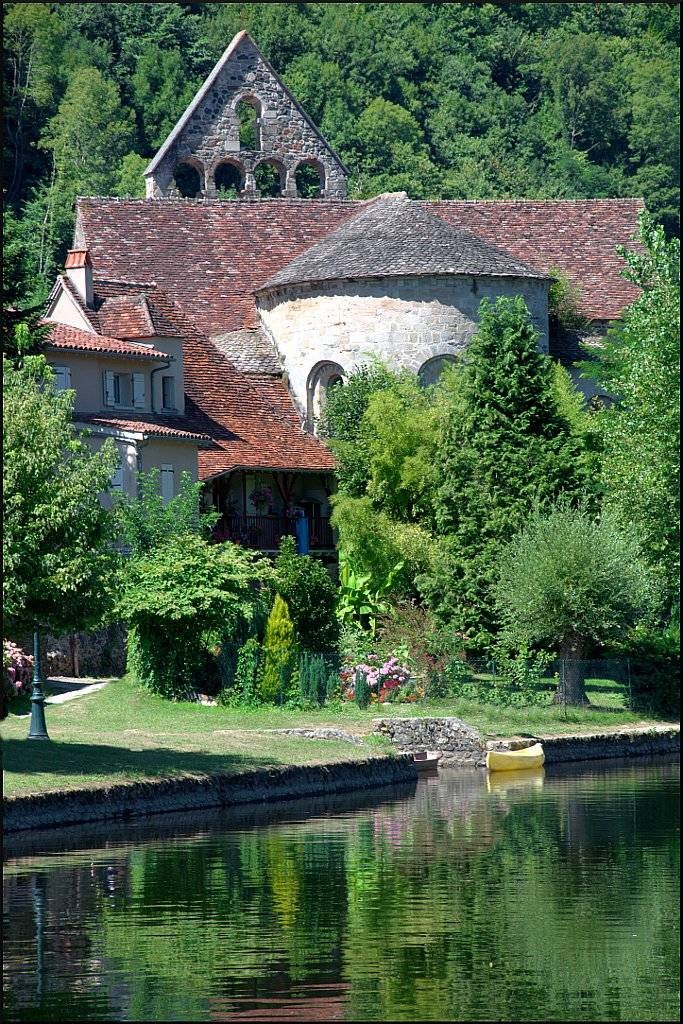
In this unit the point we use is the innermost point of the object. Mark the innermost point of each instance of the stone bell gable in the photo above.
(205, 150)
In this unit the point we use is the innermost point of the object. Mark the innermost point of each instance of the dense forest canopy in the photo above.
(473, 101)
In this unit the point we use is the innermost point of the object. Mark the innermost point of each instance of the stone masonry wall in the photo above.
(212, 133)
(405, 321)
(459, 742)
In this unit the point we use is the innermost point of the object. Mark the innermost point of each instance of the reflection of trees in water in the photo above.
(455, 903)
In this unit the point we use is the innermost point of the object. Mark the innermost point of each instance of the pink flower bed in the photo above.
(385, 678)
(18, 670)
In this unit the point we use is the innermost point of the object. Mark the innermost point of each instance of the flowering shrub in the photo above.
(18, 668)
(384, 677)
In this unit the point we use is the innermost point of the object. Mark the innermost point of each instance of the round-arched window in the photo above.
(229, 179)
(270, 178)
(430, 371)
(322, 378)
(188, 180)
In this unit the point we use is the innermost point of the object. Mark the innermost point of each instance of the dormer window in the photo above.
(168, 393)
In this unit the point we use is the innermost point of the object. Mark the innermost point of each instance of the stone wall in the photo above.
(459, 742)
(167, 795)
(463, 746)
(405, 321)
(101, 652)
(211, 136)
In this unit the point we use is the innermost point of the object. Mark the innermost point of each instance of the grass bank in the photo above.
(122, 734)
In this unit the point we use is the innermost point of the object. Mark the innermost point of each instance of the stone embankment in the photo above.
(463, 746)
(460, 743)
(46, 810)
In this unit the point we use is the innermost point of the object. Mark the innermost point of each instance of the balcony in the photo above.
(265, 532)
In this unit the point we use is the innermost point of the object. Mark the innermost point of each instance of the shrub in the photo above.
(306, 586)
(17, 674)
(148, 520)
(279, 652)
(570, 582)
(174, 599)
(360, 688)
(318, 678)
(382, 678)
(654, 662)
(241, 686)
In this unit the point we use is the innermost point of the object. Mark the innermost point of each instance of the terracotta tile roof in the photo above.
(77, 258)
(578, 237)
(252, 422)
(173, 428)
(61, 336)
(126, 310)
(393, 236)
(212, 255)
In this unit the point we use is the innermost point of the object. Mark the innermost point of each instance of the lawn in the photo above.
(123, 734)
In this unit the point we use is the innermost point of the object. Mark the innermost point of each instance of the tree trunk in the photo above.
(571, 688)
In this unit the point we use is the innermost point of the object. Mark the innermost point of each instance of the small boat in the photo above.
(514, 760)
(426, 760)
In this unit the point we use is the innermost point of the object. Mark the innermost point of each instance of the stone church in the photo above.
(202, 326)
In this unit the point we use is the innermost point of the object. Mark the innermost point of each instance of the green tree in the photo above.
(147, 520)
(306, 586)
(639, 363)
(176, 597)
(571, 583)
(58, 561)
(279, 653)
(505, 446)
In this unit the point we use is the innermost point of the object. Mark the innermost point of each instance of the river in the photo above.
(549, 896)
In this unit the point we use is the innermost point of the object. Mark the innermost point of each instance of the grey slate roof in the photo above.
(394, 236)
(250, 350)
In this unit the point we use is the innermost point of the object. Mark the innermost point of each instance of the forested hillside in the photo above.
(442, 100)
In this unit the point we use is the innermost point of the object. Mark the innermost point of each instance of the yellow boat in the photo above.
(514, 760)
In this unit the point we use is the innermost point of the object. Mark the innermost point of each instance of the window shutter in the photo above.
(109, 388)
(138, 391)
(62, 377)
(168, 392)
(117, 480)
(167, 488)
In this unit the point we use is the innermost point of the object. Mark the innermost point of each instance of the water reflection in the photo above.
(549, 897)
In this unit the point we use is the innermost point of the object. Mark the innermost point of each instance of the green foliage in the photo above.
(175, 595)
(654, 662)
(564, 299)
(148, 521)
(307, 588)
(342, 423)
(359, 601)
(242, 688)
(318, 678)
(279, 647)
(505, 447)
(361, 690)
(381, 548)
(58, 563)
(639, 363)
(571, 582)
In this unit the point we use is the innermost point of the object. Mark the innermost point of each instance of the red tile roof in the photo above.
(211, 255)
(208, 257)
(252, 422)
(173, 428)
(77, 258)
(61, 336)
(578, 237)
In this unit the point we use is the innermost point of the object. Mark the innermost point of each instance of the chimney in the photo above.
(79, 271)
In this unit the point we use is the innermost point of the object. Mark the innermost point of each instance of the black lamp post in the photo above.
(38, 728)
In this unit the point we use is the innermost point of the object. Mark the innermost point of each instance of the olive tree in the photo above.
(570, 582)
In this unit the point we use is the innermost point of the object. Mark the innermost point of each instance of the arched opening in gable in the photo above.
(188, 179)
(248, 111)
(310, 179)
(228, 179)
(430, 371)
(270, 178)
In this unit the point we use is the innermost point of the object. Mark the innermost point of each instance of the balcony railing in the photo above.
(266, 532)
